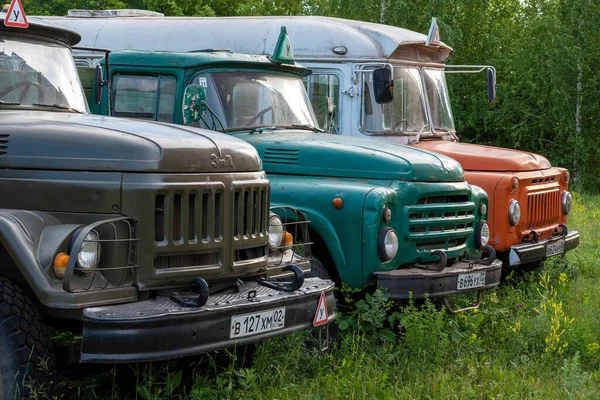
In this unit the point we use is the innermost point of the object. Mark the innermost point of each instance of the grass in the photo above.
(535, 338)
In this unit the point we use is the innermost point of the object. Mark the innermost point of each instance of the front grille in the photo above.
(543, 209)
(251, 211)
(189, 217)
(440, 222)
(186, 260)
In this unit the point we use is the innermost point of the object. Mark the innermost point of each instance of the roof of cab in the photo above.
(43, 28)
(163, 59)
(312, 37)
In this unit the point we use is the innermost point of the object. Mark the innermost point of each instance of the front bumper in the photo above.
(417, 283)
(160, 329)
(533, 252)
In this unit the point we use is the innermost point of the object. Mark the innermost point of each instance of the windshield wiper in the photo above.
(59, 106)
(9, 103)
(305, 127)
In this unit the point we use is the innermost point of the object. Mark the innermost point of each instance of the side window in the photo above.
(323, 91)
(144, 97)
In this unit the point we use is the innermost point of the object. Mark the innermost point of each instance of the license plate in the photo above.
(555, 248)
(469, 281)
(255, 323)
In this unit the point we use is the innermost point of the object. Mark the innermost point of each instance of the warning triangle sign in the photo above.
(15, 16)
(321, 316)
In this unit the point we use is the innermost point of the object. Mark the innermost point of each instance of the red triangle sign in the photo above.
(15, 16)
(321, 316)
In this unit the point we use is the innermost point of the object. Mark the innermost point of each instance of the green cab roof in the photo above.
(201, 58)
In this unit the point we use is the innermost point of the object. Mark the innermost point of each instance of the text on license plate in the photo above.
(255, 323)
(469, 281)
(555, 248)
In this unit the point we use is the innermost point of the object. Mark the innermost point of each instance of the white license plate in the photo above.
(255, 323)
(469, 281)
(555, 248)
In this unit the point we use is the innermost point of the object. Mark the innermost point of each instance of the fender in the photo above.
(31, 239)
(341, 228)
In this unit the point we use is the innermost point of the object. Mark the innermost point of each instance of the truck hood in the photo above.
(320, 154)
(475, 157)
(66, 141)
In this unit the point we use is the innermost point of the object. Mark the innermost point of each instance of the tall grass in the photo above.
(535, 338)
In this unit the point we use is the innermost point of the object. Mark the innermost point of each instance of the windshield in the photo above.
(439, 99)
(36, 73)
(244, 100)
(404, 114)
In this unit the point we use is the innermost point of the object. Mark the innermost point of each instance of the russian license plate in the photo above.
(255, 323)
(469, 281)
(555, 248)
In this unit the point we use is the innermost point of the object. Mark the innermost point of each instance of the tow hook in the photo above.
(491, 255)
(197, 285)
(564, 230)
(439, 266)
(286, 286)
(534, 238)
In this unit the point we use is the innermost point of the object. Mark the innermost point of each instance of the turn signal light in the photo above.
(288, 240)
(338, 203)
(60, 265)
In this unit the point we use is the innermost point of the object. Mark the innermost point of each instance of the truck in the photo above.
(151, 241)
(529, 199)
(380, 215)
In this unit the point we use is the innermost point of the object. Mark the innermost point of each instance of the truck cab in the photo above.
(152, 241)
(528, 198)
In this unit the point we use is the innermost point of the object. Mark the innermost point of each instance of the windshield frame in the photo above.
(76, 100)
(221, 109)
(427, 129)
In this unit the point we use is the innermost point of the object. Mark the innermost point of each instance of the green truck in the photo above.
(151, 241)
(380, 214)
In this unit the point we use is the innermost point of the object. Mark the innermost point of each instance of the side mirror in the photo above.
(491, 83)
(98, 84)
(193, 98)
(383, 85)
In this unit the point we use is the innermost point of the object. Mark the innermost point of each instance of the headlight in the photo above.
(275, 232)
(514, 212)
(567, 202)
(89, 254)
(388, 244)
(482, 234)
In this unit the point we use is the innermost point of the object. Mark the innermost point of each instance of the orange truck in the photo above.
(380, 82)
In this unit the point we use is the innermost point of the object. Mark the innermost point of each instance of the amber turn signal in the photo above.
(288, 240)
(60, 265)
(338, 203)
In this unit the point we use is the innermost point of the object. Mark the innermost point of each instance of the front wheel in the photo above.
(26, 363)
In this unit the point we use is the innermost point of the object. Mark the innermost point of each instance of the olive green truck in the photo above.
(152, 241)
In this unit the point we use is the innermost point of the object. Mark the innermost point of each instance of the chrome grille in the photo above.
(440, 222)
(543, 209)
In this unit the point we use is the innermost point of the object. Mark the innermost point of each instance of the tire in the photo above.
(26, 362)
(317, 270)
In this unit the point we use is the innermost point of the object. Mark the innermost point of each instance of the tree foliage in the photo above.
(545, 52)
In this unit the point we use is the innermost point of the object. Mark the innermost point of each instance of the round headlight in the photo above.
(482, 209)
(514, 212)
(567, 202)
(388, 244)
(482, 234)
(275, 232)
(89, 254)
